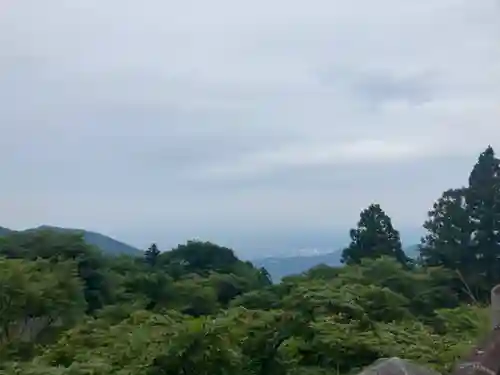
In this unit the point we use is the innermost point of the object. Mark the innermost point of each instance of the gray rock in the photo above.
(396, 366)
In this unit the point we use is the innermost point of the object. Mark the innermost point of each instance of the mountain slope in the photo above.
(107, 244)
(281, 267)
(286, 266)
(110, 245)
(4, 231)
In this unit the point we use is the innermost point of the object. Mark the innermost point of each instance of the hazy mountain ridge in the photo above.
(105, 243)
(4, 231)
(279, 267)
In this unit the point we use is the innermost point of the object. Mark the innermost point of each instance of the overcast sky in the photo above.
(250, 123)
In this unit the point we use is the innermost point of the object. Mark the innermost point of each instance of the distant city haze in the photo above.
(263, 126)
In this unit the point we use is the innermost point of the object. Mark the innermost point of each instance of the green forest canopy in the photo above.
(67, 308)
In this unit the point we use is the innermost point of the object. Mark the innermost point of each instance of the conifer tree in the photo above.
(447, 242)
(151, 255)
(374, 237)
(463, 228)
(483, 202)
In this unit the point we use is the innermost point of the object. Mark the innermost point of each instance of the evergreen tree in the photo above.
(464, 228)
(448, 241)
(483, 201)
(151, 255)
(374, 237)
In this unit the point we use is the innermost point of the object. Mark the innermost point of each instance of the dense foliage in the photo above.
(68, 309)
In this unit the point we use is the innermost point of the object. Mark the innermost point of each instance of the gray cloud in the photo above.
(238, 122)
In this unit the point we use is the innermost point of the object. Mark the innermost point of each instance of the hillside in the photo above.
(278, 267)
(285, 266)
(107, 244)
(4, 231)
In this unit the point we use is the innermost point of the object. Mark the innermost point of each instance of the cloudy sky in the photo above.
(264, 125)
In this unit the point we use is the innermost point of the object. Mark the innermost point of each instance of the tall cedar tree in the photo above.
(374, 237)
(463, 228)
(448, 240)
(483, 201)
(151, 255)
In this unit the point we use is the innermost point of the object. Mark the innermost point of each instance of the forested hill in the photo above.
(278, 267)
(105, 243)
(4, 231)
(67, 308)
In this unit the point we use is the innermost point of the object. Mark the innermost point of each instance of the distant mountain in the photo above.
(279, 267)
(4, 231)
(286, 266)
(412, 251)
(106, 244)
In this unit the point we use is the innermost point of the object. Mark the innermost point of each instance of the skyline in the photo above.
(275, 245)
